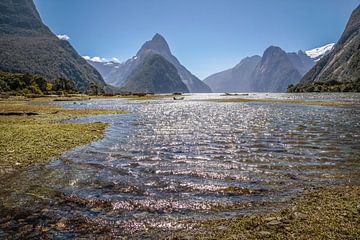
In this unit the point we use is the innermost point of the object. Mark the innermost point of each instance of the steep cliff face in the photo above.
(157, 45)
(28, 46)
(274, 72)
(155, 75)
(342, 64)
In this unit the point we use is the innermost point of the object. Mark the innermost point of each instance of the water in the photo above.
(170, 161)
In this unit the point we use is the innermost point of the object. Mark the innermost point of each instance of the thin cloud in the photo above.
(101, 59)
(63, 37)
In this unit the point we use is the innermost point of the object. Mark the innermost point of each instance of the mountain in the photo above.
(237, 79)
(156, 75)
(105, 68)
(342, 64)
(317, 53)
(28, 46)
(274, 72)
(301, 61)
(119, 74)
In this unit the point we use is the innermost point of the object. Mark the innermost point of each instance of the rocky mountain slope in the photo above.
(118, 74)
(342, 64)
(155, 75)
(28, 46)
(274, 72)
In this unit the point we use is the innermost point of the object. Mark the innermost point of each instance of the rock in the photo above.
(300, 216)
(61, 224)
(140, 215)
(112, 213)
(265, 233)
(188, 238)
(358, 208)
(96, 209)
(222, 228)
(274, 223)
(25, 229)
(270, 219)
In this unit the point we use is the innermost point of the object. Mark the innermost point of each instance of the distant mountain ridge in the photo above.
(117, 74)
(271, 73)
(237, 79)
(28, 46)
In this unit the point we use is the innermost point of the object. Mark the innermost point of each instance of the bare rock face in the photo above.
(155, 75)
(274, 72)
(120, 72)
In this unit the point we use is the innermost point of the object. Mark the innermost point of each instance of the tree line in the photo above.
(29, 84)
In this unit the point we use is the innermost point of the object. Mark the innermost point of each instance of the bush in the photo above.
(27, 84)
(327, 86)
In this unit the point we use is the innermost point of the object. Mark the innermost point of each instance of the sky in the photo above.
(207, 36)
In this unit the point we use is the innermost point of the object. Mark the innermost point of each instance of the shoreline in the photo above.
(33, 134)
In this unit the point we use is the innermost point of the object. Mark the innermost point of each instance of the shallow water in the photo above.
(168, 161)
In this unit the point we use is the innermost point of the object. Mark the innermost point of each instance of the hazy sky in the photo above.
(207, 36)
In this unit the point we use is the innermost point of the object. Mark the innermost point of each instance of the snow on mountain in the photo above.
(317, 53)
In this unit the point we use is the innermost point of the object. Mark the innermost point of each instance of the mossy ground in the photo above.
(27, 140)
(329, 213)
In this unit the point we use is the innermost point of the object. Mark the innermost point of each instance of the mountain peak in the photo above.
(157, 44)
(273, 51)
(158, 37)
(352, 27)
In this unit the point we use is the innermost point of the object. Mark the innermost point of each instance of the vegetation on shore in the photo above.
(32, 85)
(328, 213)
(34, 133)
(326, 86)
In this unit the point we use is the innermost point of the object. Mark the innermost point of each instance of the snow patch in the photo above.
(318, 53)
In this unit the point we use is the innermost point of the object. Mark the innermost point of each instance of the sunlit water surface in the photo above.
(168, 161)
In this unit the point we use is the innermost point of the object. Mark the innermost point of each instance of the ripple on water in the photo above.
(169, 161)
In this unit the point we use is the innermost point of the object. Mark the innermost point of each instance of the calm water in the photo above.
(168, 161)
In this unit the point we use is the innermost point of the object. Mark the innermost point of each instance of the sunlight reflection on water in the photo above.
(170, 160)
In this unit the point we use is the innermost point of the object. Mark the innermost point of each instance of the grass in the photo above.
(27, 140)
(276, 101)
(328, 213)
